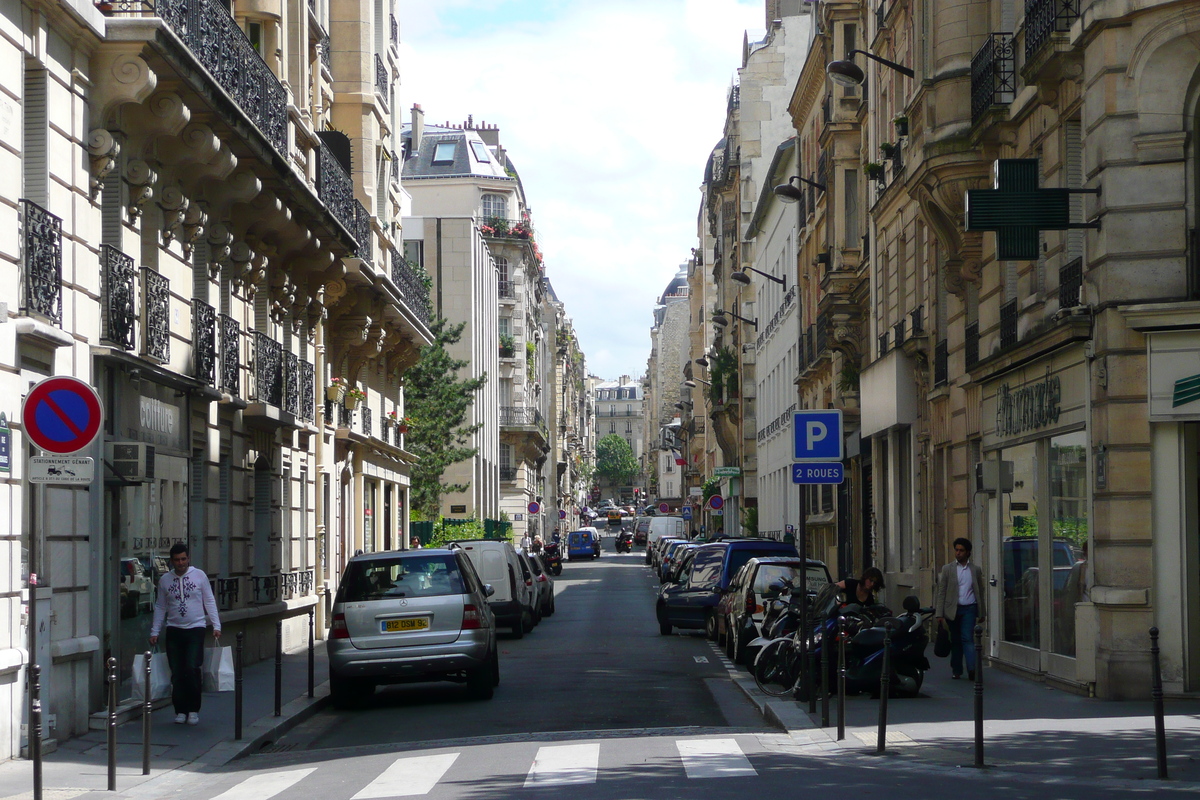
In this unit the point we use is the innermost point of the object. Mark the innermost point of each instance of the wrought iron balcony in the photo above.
(226, 590)
(336, 189)
(117, 290)
(508, 474)
(505, 290)
(325, 52)
(308, 388)
(916, 320)
(519, 415)
(412, 290)
(883, 343)
(268, 370)
(822, 329)
(941, 363)
(220, 45)
(362, 232)
(156, 316)
(993, 74)
(345, 416)
(291, 383)
(41, 289)
(395, 32)
(971, 345)
(231, 336)
(1008, 324)
(265, 588)
(204, 341)
(366, 421)
(382, 81)
(1070, 283)
(823, 168)
(898, 333)
(1043, 19)
(306, 581)
(811, 345)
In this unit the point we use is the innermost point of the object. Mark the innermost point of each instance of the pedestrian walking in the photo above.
(958, 601)
(414, 543)
(186, 604)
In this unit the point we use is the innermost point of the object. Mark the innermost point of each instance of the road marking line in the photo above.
(263, 787)
(408, 777)
(701, 659)
(714, 758)
(563, 765)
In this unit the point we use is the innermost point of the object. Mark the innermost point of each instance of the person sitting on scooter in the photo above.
(864, 590)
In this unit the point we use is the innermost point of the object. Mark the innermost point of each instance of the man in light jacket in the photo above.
(186, 604)
(959, 602)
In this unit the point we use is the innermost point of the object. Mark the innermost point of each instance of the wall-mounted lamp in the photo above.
(847, 73)
(718, 318)
(823, 259)
(691, 382)
(792, 194)
(702, 361)
(742, 277)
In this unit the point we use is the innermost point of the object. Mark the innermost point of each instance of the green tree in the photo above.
(614, 460)
(437, 400)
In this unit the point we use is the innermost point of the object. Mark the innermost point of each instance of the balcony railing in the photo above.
(308, 389)
(204, 341)
(291, 383)
(395, 39)
(268, 370)
(811, 345)
(412, 290)
(265, 588)
(231, 336)
(916, 319)
(118, 276)
(822, 329)
(226, 591)
(883, 343)
(505, 290)
(1070, 283)
(362, 232)
(971, 345)
(223, 49)
(42, 278)
(823, 168)
(1008, 324)
(898, 333)
(941, 363)
(804, 360)
(325, 52)
(993, 74)
(366, 421)
(1044, 18)
(382, 81)
(336, 189)
(508, 474)
(156, 316)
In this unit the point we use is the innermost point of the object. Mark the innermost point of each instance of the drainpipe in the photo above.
(322, 472)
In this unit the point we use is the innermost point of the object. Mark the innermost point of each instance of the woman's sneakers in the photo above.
(193, 718)
(180, 719)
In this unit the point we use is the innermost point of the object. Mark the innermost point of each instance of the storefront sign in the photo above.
(1174, 375)
(151, 414)
(1028, 407)
(727, 472)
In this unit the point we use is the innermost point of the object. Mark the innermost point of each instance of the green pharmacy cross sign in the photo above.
(1017, 210)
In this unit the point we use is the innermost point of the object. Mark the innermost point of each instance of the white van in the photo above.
(498, 565)
(671, 527)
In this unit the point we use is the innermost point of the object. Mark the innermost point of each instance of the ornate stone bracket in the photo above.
(141, 179)
(940, 199)
(103, 149)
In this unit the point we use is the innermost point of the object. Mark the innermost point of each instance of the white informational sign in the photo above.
(61, 469)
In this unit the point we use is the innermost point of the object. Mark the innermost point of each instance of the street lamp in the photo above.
(702, 361)
(742, 277)
(691, 382)
(791, 194)
(718, 318)
(847, 73)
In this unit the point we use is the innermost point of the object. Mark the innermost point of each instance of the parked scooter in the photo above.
(553, 558)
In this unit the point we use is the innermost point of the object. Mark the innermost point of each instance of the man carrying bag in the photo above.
(186, 604)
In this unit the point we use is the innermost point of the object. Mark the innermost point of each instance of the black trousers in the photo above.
(185, 655)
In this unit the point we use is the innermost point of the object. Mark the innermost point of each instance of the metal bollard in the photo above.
(35, 728)
(979, 696)
(841, 734)
(112, 724)
(311, 657)
(147, 708)
(825, 642)
(279, 668)
(237, 686)
(1156, 692)
(885, 687)
(812, 684)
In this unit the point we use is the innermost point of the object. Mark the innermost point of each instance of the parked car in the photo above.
(673, 527)
(497, 564)
(543, 576)
(658, 548)
(668, 554)
(688, 600)
(740, 612)
(530, 578)
(411, 615)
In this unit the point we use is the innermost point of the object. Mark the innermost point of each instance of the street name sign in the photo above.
(817, 435)
(727, 472)
(818, 473)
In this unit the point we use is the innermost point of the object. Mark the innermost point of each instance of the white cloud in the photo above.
(609, 112)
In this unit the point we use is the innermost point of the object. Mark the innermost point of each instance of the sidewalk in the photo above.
(80, 765)
(1029, 728)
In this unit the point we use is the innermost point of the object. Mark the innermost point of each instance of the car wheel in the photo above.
(710, 626)
(738, 649)
(481, 682)
(347, 692)
(518, 628)
(495, 666)
(730, 647)
(527, 620)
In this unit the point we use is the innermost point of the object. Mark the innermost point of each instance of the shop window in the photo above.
(1069, 521)
(1020, 548)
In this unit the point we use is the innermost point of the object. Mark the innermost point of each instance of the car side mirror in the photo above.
(488, 590)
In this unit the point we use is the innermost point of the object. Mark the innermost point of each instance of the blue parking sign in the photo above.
(817, 435)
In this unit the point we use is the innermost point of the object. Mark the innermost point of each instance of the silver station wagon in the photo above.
(413, 615)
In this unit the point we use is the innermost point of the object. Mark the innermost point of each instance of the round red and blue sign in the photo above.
(663, 508)
(716, 502)
(62, 415)
(534, 507)
(562, 513)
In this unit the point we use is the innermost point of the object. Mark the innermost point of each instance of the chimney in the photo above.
(418, 129)
(490, 134)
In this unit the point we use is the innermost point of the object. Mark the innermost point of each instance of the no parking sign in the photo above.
(62, 415)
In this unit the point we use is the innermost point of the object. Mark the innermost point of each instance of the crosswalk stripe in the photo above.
(264, 787)
(714, 758)
(408, 777)
(564, 765)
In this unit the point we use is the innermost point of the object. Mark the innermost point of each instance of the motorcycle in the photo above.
(625, 543)
(553, 558)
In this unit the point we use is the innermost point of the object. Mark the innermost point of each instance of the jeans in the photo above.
(962, 638)
(185, 655)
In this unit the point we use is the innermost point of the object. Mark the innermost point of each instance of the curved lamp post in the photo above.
(792, 194)
(847, 73)
(718, 318)
(742, 277)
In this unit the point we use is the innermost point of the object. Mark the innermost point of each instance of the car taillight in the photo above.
(541, 578)
(529, 581)
(472, 619)
(338, 629)
(750, 607)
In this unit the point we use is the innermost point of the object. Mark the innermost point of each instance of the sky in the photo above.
(609, 111)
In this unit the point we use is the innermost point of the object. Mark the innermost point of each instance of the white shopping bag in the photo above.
(218, 669)
(160, 677)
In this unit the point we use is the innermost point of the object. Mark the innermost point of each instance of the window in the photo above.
(495, 205)
(443, 153)
(481, 152)
(414, 251)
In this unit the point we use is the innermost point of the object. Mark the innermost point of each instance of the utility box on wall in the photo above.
(993, 476)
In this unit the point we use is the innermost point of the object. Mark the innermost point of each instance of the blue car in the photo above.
(581, 544)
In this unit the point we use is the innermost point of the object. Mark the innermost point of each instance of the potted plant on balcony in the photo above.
(353, 397)
(508, 346)
(888, 149)
(336, 390)
(901, 123)
(404, 424)
(874, 171)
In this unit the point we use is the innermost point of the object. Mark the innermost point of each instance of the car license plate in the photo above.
(405, 625)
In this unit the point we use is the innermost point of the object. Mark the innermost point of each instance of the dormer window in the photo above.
(443, 153)
(481, 152)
